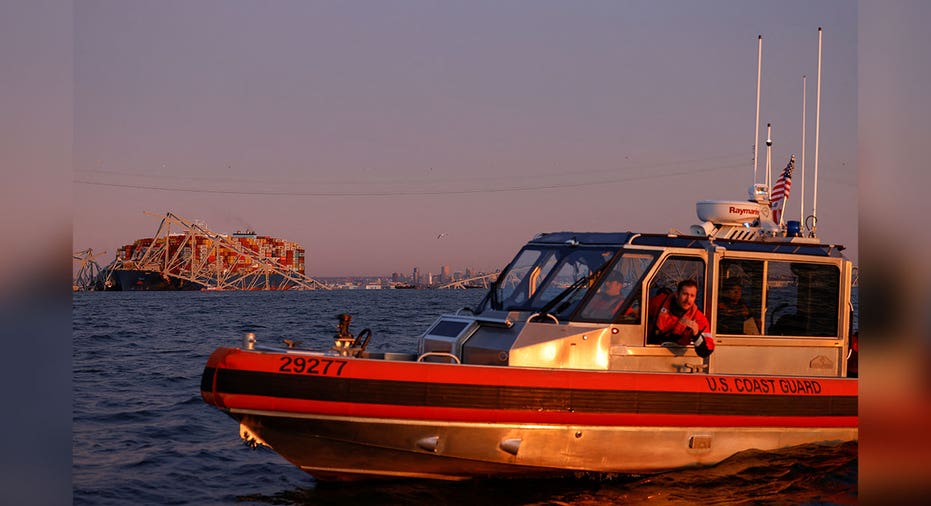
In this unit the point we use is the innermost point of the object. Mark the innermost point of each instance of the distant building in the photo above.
(444, 274)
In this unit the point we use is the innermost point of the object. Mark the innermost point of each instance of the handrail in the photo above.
(438, 354)
(504, 322)
(494, 321)
(534, 315)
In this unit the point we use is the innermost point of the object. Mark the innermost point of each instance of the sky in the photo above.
(384, 136)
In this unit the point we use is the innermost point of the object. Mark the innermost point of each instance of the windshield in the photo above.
(617, 297)
(541, 273)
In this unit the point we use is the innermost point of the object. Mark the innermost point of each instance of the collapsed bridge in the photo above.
(186, 255)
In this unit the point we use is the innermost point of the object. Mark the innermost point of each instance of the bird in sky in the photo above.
(441, 235)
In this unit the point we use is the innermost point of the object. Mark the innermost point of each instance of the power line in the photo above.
(732, 158)
(406, 192)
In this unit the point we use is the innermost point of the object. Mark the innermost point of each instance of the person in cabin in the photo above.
(608, 299)
(734, 316)
(674, 317)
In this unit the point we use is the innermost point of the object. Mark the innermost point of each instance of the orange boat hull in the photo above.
(347, 418)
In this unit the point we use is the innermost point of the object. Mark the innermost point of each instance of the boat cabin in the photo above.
(777, 304)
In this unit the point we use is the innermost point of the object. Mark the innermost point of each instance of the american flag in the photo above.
(781, 190)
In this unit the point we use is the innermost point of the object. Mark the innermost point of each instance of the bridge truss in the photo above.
(473, 282)
(89, 271)
(189, 251)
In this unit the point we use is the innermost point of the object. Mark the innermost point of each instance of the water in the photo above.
(142, 434)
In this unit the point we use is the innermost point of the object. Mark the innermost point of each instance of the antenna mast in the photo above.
(769, 160)
(756, 132)
(801, 207)
(814, 207)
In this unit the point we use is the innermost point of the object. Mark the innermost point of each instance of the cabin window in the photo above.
(740, 297)
(617, 298)
(569, 281)
(676, 269)
(573, 267)
(540, 278)
(521, 280)
(664, 284)
(802, 299)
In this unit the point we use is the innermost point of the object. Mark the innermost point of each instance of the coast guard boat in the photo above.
(538, 380)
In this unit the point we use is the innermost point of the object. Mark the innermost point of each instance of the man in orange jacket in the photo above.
(675, 317)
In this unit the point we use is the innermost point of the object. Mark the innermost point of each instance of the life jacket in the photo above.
(666, 324)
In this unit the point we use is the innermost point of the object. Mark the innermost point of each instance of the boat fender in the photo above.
(704, 345)
(511, 446)
(428, 443)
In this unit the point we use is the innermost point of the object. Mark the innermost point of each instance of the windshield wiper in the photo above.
(579, 283)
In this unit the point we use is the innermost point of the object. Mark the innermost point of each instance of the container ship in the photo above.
(201, 260)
